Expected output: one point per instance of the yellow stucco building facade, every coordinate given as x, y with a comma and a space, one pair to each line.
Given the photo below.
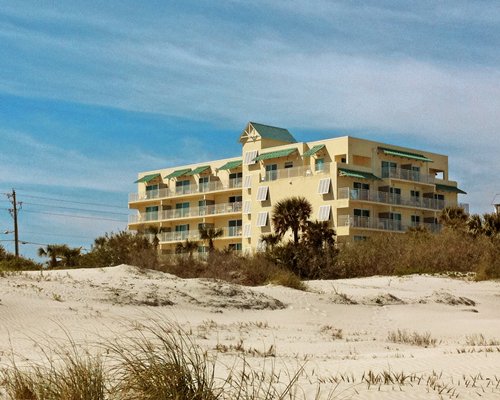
359, 186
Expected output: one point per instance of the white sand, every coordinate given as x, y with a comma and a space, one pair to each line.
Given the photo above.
299, 327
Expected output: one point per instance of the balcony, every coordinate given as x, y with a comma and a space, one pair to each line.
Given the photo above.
382, 224
391, 198
407, 175
185, 190
214, 209
294, 172
194, 235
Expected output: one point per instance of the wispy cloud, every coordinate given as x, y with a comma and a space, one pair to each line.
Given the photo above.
426, 69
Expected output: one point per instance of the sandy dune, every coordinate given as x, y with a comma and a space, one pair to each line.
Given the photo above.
338, 330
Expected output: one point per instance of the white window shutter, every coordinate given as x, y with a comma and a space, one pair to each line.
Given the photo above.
262, 219
324, 213
324, 186
247, 183
262, 193
250, 157
247, 207
247, 230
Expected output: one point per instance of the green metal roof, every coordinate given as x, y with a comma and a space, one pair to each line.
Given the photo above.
178, 173
357, 174
313, 151
147, 178
405, 154
273, 132
198, 170
275, 154
448, 188
231, 165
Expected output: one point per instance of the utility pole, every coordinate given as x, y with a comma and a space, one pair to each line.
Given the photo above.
13, 211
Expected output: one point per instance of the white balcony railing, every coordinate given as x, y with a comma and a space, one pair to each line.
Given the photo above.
407, 174
385, 224
287, 173
184, 190
194, 235
391, 198
214, 209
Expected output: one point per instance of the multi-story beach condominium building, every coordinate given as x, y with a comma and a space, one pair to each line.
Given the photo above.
361, 187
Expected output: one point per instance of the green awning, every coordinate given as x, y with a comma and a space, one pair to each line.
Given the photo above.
357, 174
231, 165
178, 173
448, 188
147, 178
198, 170
313, 151
404, 154
275, 154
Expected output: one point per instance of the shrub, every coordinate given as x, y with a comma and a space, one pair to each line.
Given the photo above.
121, 248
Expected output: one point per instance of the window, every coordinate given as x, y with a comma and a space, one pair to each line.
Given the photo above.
271, 172
181, 232
395, 221
235, 179
235, 199
361, 217
247, 231
182, 187
361, 213
262, 219
324, 213
206, 207
395, 194
247, 207
247, 184
151, 213
319, 164
182, 209
204, 184
235, 227
415, 220
250, 157
388, 169
289, 164
262, 193
234, 247
415, 197
324, 186
360, 191
152, 191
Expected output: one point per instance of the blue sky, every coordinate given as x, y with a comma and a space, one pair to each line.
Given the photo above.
93, 92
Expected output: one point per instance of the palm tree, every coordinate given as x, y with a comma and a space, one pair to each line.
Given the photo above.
454, 217
475, 225
53, 252
291, 213
491, 226
319, 235
209, 233
154, 230
270, 240
187, 247
70, 256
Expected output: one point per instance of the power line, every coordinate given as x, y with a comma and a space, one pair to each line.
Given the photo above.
58, 234
73, 208
75, 202
75, 216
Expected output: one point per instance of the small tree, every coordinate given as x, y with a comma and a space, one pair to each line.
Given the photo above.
209, 234
454, 217
291, 214
188, 247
